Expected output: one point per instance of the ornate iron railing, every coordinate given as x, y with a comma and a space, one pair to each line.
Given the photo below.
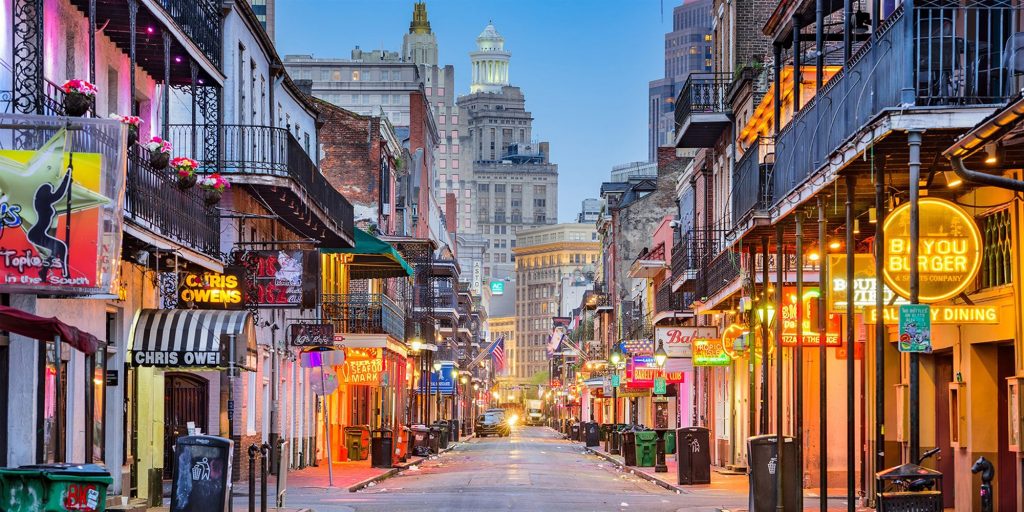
703, 93
752, 189
364, 313
667, 300
200, 21
722, 270
154, 201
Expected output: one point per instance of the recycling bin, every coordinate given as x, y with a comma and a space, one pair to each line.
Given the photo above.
593, 434
628, 447
453, 431
646, 442
435, 439
421, 439
693, 455
669, 436
55, 488
764, 466
357, 441
381, 448
201, 474
443, 434
401, 440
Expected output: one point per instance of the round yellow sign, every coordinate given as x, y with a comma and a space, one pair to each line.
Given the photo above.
949, 250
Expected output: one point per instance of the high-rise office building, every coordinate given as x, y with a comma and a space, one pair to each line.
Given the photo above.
590, 210
264, 10
687, 50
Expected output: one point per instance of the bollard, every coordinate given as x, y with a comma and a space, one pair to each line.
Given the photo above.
988, 473
659, 454
254, 453
264, 455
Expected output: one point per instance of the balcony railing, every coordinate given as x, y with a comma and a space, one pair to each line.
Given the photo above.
695, 249
154, 201
751, 186
200, 21
703, 100
265, 150
722, 270
364, 313
958, 56
665, 300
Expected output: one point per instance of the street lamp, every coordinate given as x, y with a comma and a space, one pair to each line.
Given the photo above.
660, 356
416, 344
616, 358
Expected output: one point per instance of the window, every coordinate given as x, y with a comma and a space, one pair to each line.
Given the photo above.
442, 134
442, 120
396, 75
455, 163
443, 177
455, 149
499, 188
442, 148
465, 208
466, 193
440, 91
540, 203
385, 99
455, 133
483, 187
455, 119
540, 190
517, 189
355, 75
429, 91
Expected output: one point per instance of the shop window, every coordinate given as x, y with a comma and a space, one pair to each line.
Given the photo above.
996, 266
53, 402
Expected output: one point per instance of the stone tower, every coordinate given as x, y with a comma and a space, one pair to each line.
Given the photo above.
420, 44
489, 62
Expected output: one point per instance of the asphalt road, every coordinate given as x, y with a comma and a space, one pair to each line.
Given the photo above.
533, 470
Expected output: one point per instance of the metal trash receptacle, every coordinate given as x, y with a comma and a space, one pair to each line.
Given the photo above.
764, 465
893, 499
669, 435
646, 443
574, 431
381, 448
55, 488
593, 434
434, 439
201, 474
453, 431
628, 447
693, 455
357, 442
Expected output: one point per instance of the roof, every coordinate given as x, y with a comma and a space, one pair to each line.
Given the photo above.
373, 258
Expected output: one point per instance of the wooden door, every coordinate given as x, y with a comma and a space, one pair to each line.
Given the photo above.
185, 399
944, 460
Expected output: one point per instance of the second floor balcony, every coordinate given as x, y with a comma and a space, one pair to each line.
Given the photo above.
703, 110
752, 192
364, 313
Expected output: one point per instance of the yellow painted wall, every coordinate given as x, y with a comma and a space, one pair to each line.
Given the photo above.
150, 403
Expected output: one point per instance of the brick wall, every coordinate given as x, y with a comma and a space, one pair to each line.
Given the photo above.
350, 158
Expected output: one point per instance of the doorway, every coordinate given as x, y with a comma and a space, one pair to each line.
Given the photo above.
185, 400
944, 459
1006, 467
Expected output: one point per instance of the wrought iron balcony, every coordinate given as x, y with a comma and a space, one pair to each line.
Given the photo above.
200, 21
364, 313
719, 273
752, 190
252, 154
666, 300
702, 110
154, 202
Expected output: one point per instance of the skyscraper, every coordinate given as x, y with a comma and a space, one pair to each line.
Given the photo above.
687, 50
264, 10
516, 185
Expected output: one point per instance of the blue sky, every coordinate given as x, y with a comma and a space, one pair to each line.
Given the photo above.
583, 65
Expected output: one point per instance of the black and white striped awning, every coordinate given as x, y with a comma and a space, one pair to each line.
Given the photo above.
191, 338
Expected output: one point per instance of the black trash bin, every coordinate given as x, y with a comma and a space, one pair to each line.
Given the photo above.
605, 429
204, 464
629, 447
443, 434
423, 440
435, 439
693, 454
593, 434
381, 448
764, 465
892, 497
453, 431
574, 431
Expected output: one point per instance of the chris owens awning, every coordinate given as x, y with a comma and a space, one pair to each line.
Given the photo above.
191, 338
373, 258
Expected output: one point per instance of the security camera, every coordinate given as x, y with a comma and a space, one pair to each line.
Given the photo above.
673, 224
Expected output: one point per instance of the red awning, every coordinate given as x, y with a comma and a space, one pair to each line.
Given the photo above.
46, 329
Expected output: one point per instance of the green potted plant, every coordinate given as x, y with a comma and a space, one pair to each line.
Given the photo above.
78, 97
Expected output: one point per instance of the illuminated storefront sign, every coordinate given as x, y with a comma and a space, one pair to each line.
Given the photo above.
949, 250
60, 215
363, 366
278, 278
710, 353
834, 325
863, 284
210, 290
678, 341
642, 370
942, 315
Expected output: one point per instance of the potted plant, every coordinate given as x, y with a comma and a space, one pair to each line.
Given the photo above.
159, 153
133, 123
214, 185
78, 97
186, 168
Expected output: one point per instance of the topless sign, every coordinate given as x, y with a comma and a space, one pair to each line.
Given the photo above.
60, 217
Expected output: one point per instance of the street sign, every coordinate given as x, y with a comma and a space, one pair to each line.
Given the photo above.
615, 381
915, 328
660, 387
311, 335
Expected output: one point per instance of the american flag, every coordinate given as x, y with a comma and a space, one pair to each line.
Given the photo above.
498, 353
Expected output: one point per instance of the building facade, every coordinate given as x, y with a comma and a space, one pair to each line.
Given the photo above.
590, 210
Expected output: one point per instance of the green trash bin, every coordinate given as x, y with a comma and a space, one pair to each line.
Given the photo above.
55, 488
357, 442
645, 447
670, 442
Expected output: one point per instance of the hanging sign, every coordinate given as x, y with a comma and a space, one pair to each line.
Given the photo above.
915, 331
633, 392
616, 381
642, 371
284, 278
949, 250
363, 366
660, 386
474, 285
60, 215
311, 335
212, 290
710, 353
863, 284
497, 287
951, 314
443, 380
810, 321
678, 341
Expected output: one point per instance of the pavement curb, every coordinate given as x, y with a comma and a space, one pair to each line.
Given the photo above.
641, 474
403, 466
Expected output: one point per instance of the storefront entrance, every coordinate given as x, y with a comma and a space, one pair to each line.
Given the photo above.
185, 400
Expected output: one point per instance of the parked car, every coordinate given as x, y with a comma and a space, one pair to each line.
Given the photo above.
492, 423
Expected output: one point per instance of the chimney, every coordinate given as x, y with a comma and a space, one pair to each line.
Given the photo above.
451, 212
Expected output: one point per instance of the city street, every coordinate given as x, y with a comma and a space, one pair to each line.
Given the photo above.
533, 470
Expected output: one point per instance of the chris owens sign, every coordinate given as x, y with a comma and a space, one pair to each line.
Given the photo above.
949, 250
209, 290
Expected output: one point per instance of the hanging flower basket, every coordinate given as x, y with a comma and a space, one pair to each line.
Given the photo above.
186, 168
159, 153
78, 97
133, 123
213, 186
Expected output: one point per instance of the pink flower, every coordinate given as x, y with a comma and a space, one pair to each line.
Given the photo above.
184, 165
214, 182
80, 86
128, 120
158, 144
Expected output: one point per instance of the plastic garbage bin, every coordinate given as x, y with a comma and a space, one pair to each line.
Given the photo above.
628, 447
421, 440
55, 488
434, 439
453, 431
201, 474
693, 455
357, 441
443, 434
646, 442
593, 434
381, 448
574, 431
764, 465
401, 439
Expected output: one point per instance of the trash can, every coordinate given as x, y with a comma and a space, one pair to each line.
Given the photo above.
422, 440
574, 431
646, 447
693, 455
434, 439
401, 440
628, 447
894, 498
669, 436
357, 441
582, 431
593, 437
55, 488
605, 429
453, 431
381, 448
443, 434
201, 474
764, 465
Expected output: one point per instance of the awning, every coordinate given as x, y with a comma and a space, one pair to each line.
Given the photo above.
46, 329
191, 338
373, 258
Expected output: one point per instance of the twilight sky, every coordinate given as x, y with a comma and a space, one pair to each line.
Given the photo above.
583, 65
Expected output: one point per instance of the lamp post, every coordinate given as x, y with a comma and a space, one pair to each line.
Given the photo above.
766, 316
660, 357
615, 358
437, 389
